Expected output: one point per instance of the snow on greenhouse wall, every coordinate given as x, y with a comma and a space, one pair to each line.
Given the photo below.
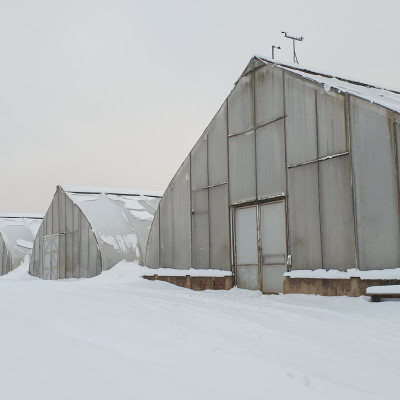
85, 232
17, 233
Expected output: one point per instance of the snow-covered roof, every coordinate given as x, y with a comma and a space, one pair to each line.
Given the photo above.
21, 215
108, 190
385, 97
18, 232
119, 218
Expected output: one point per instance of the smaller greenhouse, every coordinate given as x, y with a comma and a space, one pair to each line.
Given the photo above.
17, 233
88, 230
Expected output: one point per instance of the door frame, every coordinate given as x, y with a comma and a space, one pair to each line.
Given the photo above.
257, 204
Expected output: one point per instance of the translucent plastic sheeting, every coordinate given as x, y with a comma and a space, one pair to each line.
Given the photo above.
200, 217
217, 134
271, 167
269, 95
4, 258
56, 214
242, 168
241, 105
376, 186
301, 123
139, 211
17, 235
273, 245
336, 208
219, 228
182, 255
115, 236
200, 229
333, 137
273, 233
70, 233
95, 231
246, 236
167, 229
304, 223
76, 241
153, 245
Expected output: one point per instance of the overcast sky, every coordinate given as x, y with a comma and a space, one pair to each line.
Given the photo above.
116, 92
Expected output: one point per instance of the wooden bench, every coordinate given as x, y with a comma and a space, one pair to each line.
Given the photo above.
378, 292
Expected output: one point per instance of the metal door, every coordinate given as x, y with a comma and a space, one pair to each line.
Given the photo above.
50, 257
273, 246
260, 246
246, 248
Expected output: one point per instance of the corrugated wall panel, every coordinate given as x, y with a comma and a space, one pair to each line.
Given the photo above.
199, 184
242, 171
241, 105
84, 247
76, 242
167, 230
301, 124
271, 167
93, 255
218, 148
268, 94
182, 218
219, 228
305, 238
332, 137
69, 227
375, 186
337, 221
55, 213
153, 244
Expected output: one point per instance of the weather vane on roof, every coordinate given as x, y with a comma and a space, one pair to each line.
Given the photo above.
299, 39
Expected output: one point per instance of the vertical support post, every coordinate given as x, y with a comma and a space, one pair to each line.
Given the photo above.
352, 175
319, 181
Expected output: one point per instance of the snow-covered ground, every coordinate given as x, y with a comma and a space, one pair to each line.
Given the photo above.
117, 336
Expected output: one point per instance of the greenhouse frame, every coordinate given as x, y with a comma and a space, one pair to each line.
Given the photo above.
88, 230
17, 233
298, 170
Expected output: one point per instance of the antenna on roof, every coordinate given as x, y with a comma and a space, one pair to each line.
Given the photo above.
299, 39
273, 48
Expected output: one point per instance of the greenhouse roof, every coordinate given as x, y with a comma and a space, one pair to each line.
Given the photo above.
385, 97
108, 190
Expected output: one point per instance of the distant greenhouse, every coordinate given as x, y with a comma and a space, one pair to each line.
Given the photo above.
17, 233
298, 170
88, 230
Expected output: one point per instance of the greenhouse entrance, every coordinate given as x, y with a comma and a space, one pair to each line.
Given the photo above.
260, 243
50, 256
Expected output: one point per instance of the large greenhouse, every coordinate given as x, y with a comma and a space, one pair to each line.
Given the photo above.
17, 233
88, 230
298, 170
